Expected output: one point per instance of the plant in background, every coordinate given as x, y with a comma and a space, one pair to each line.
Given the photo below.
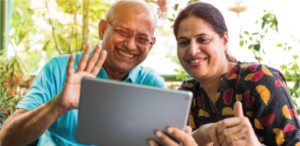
14, 77
255, 39
291, 71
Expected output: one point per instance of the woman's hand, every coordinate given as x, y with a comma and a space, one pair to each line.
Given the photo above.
184, 137
207, 135
237, 131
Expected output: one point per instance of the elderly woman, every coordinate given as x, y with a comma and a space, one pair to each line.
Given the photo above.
234, 103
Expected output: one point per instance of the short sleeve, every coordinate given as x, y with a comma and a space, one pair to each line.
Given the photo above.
275, 118
47, 84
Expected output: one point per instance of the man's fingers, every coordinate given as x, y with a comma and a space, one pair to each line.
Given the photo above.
84, 58
70, 66
238, 109
99, 63
92, 60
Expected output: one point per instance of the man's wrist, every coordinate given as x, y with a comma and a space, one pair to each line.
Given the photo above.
57, 107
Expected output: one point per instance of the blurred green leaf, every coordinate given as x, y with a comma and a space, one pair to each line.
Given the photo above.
257, 47
246, 32
295, 57
171, 19
283, 67
255, 33
296, 87
279, 45
241, 43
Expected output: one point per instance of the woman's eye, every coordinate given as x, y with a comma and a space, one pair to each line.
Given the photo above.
183, 43
203, 40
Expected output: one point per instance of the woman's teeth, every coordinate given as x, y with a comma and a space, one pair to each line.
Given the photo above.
124, 54
197, 61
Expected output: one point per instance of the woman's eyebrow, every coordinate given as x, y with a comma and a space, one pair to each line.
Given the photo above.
201, 34
197, 35
182, 38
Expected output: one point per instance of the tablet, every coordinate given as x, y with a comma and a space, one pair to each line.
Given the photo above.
113, 113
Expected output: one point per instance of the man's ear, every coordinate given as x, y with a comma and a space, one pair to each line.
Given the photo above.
154, 39
101, 28
225, 41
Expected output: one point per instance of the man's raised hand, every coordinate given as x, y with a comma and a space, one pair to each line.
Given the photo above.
69, 96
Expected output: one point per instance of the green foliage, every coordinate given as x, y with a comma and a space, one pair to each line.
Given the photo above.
14, 77
182, 75
67, 37
290, 71
255, 39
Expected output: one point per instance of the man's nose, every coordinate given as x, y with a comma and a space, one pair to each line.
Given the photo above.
130, 43
194, 48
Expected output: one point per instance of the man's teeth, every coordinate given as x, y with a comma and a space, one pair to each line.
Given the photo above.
197, 61
124, 54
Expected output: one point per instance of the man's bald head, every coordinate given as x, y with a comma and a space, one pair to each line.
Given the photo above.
121, 6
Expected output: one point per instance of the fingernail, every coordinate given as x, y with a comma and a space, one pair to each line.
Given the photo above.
151, 143
169, 130
158, 134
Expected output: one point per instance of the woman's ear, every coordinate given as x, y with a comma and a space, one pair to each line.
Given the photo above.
101, 28
225, 41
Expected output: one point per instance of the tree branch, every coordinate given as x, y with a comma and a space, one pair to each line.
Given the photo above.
53, 29
85, 28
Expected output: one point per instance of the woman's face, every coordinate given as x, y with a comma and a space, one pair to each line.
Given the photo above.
200, 50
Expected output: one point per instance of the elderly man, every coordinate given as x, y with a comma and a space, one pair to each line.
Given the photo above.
49, 110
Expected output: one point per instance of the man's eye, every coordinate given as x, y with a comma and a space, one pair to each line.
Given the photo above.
142, 39
123, 33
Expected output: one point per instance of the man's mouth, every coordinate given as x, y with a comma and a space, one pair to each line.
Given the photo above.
126, 55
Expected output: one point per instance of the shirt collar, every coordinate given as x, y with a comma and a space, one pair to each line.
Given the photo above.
131, 78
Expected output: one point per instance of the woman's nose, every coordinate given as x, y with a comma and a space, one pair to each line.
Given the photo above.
193, 48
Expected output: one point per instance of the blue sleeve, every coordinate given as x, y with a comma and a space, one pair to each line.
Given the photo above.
47, 84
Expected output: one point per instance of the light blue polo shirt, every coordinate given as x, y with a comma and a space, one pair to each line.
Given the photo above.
49, 82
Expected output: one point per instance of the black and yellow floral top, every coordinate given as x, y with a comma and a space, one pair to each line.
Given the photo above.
265, 99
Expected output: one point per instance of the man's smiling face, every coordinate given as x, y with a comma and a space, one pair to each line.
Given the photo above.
125, 53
